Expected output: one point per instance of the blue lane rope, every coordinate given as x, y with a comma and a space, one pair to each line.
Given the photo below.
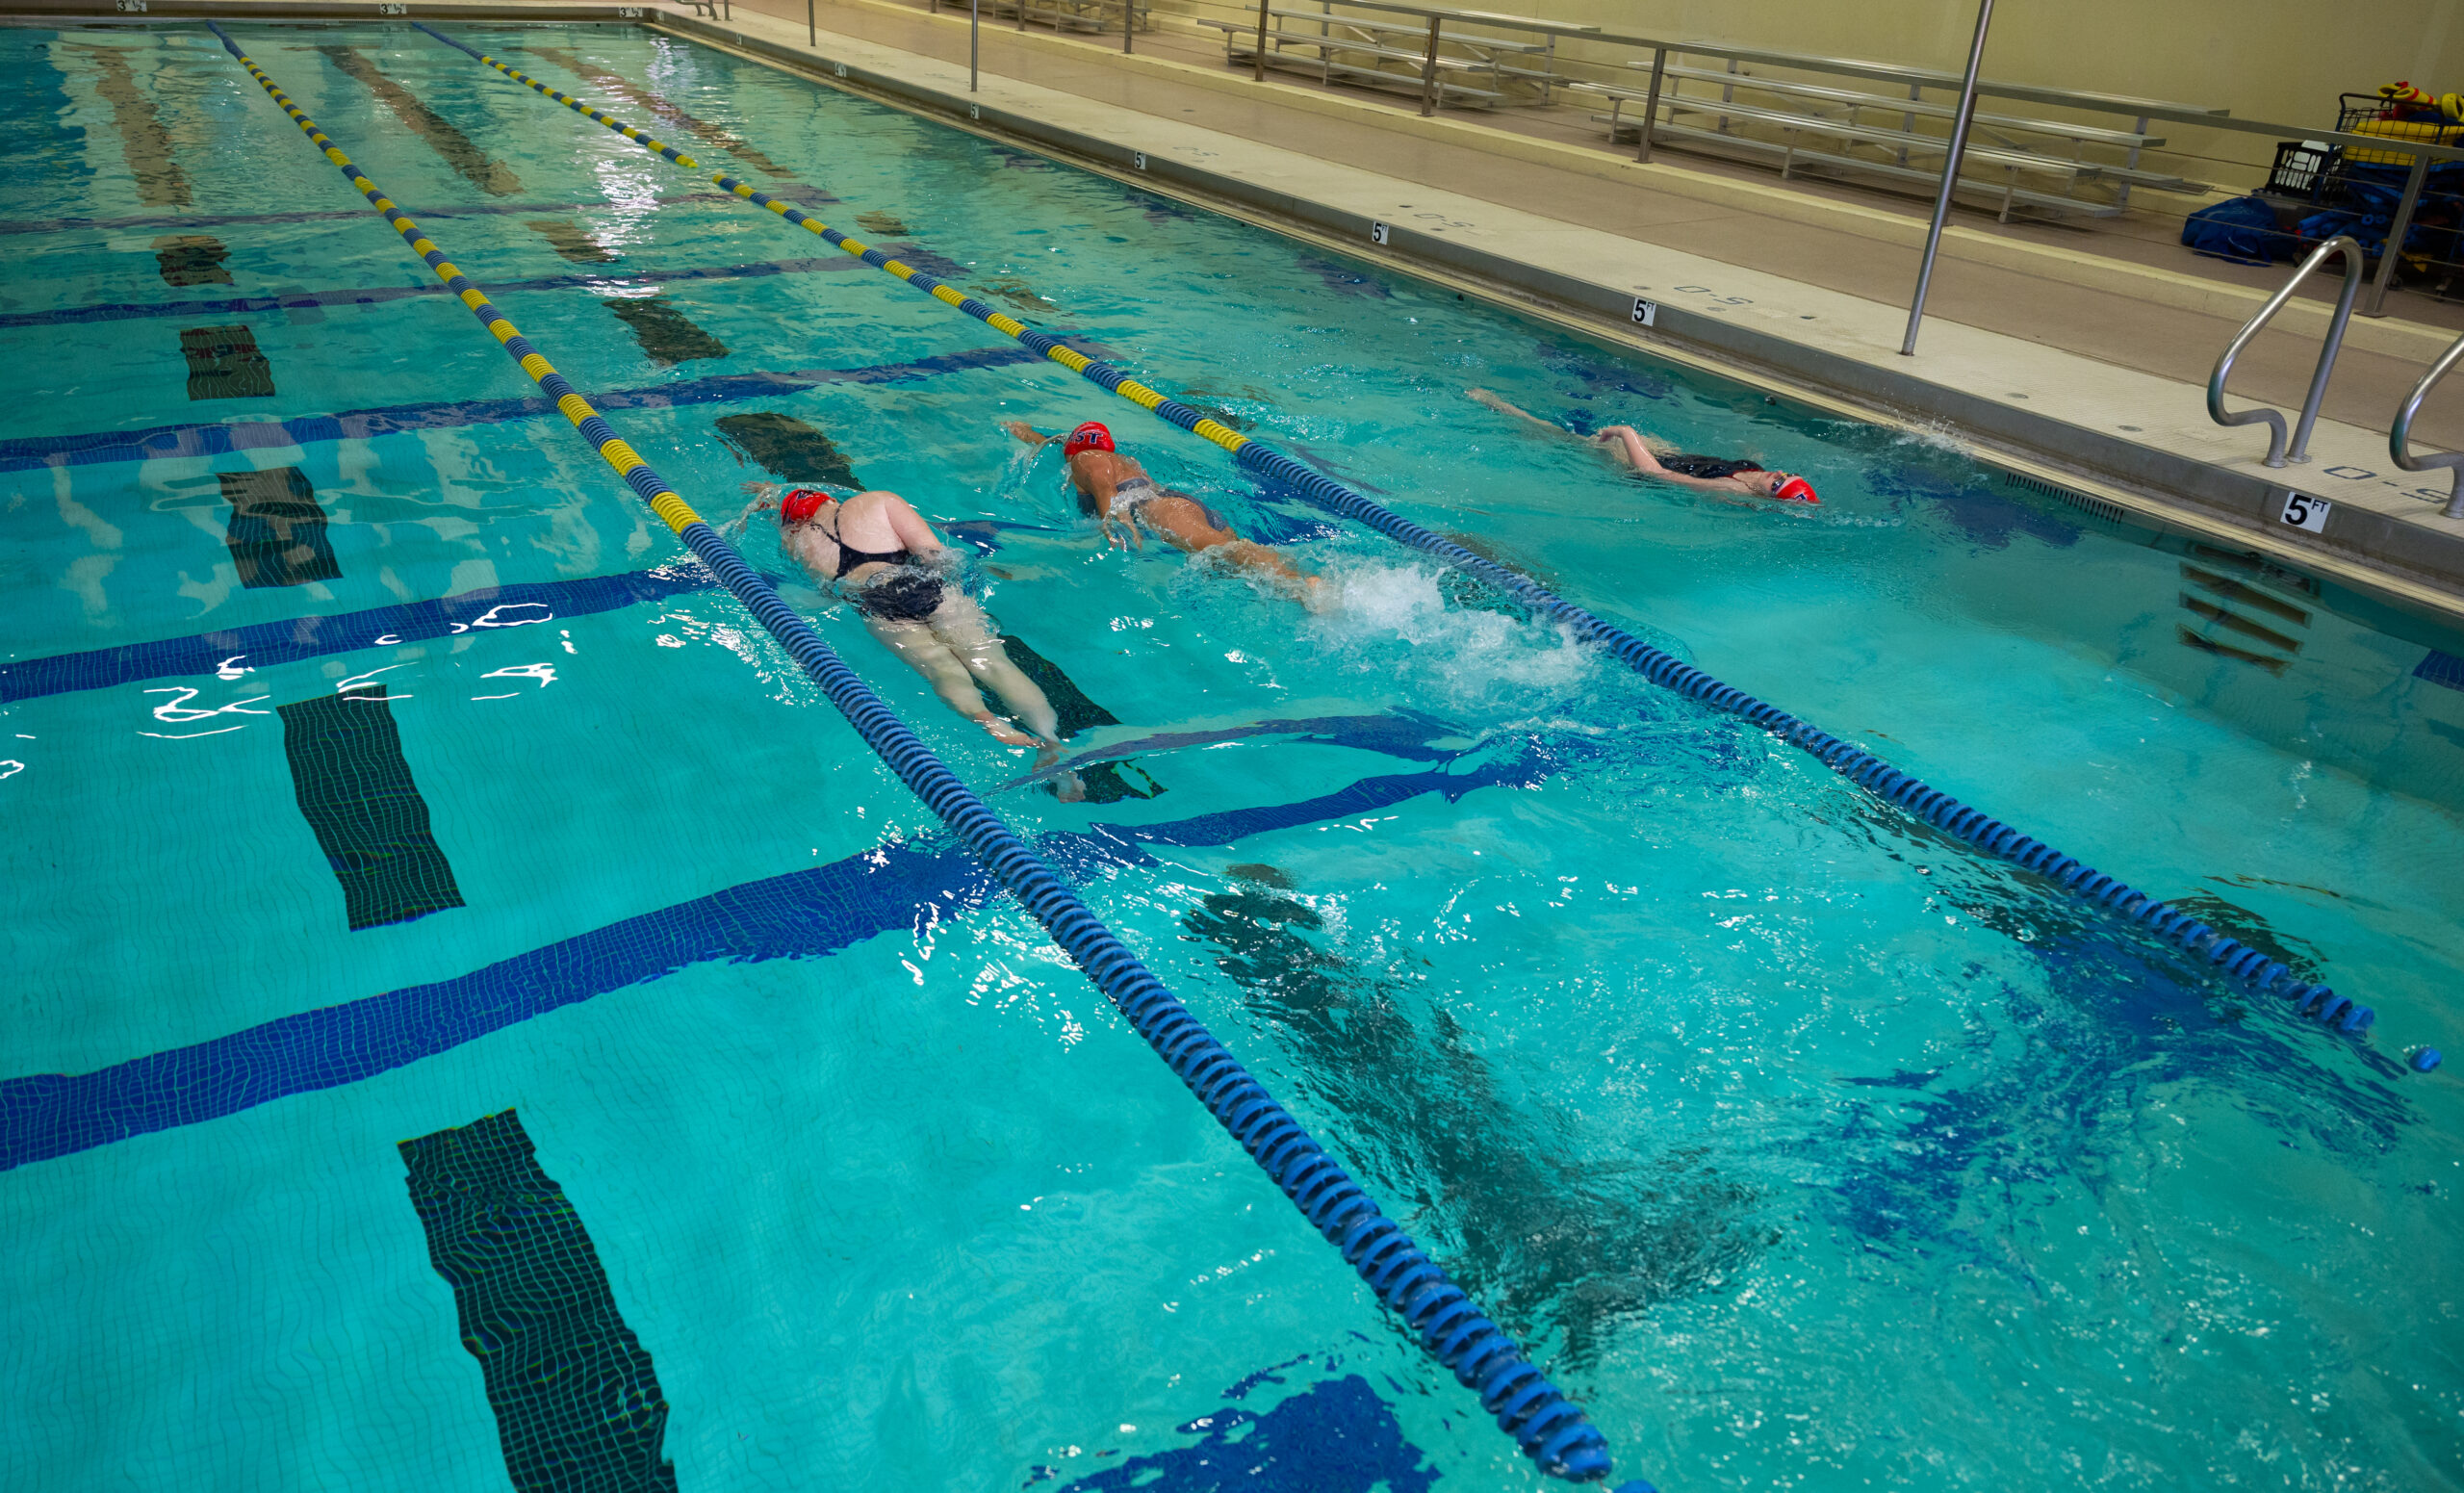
1860, 766
1552, 1430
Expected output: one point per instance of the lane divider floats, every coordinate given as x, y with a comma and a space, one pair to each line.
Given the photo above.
1552, 1430
1860, 766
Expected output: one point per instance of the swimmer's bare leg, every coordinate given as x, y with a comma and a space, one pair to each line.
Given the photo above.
919, 649
1183, 520
967, 633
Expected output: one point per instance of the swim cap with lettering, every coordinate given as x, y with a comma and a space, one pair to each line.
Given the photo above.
800, 506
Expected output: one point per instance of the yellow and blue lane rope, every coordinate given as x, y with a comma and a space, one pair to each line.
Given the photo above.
2228, 955
1552, 1429
1101, 373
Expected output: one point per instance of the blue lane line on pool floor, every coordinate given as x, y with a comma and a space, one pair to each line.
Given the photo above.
29, 453
292, 639
612, 278
331, 215
803, 914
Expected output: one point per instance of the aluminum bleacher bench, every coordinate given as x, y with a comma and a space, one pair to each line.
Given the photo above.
1793, 153
1991, 126
1239, 44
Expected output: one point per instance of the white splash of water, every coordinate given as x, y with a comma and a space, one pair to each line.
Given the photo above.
1396, 622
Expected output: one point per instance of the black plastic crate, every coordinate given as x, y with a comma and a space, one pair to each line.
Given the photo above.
2303, 169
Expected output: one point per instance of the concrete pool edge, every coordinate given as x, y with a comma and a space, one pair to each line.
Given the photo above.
2368, 551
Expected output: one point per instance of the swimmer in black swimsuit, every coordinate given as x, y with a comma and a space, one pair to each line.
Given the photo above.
1113, 489
882, 555
1631, 447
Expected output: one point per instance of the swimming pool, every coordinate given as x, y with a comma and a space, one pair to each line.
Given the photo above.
1801, 1143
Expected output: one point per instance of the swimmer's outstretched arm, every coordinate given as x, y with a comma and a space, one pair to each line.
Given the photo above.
1027, 432
1484, 397
1626, 445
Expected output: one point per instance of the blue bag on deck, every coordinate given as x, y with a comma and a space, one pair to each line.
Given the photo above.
2241, 230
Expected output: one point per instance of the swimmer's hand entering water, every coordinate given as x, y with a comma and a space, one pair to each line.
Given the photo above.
766, 497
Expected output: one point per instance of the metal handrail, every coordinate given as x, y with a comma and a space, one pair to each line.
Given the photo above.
2399, 435
2278, 454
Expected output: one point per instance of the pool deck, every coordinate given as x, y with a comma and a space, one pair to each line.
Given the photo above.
2076, 368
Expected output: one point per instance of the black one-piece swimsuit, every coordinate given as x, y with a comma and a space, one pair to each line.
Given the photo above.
911, 593
1708, 468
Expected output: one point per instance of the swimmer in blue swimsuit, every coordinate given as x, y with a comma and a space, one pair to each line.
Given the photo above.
880, 553
1631, 448
1113, 489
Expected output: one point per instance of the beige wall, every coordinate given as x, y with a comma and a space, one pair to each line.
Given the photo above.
2281, 60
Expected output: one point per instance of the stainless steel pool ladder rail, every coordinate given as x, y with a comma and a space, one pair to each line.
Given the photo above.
2399, 435
2278, 454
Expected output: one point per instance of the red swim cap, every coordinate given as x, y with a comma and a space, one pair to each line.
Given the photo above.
800, 506
1796, 489
1088, 437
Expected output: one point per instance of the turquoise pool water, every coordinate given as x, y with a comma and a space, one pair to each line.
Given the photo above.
1806, 1148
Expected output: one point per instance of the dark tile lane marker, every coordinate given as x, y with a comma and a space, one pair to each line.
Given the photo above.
224, 364
239, 305
27, 453
803, 914
703, 130
143, 140
264, 645
356, 793
577, 1402
789, 449
807, 195
572, 241
187, 259
276, 534
469, 162
667, 335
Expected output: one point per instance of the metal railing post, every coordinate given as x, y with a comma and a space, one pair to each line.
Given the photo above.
2278, 454
1950, 178
1428, 73
974, 28
1128, 23
2121, 195
2395, 230
812, 32
2399, 435
1262, 39
1651, 103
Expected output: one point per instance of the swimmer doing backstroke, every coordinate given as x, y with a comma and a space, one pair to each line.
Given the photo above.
1631, 447
880, 553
